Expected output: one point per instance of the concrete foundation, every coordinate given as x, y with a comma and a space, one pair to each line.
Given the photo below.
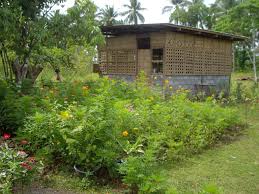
196, 83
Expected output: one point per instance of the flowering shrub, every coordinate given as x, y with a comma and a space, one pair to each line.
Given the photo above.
111, 128
15, 165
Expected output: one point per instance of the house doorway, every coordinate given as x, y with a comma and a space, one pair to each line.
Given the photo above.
144, 55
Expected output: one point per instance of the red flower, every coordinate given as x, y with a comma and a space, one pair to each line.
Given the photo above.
26, 166
6, 136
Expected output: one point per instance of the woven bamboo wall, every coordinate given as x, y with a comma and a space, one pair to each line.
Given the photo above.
193, 55
184, 54
144, 61
157, 40
119, 55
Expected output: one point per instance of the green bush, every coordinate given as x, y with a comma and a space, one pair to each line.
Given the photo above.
113, 129
15, 166
14, 107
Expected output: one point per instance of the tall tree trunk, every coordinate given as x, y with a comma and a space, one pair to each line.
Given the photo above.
6, 63
24, 71
57, 71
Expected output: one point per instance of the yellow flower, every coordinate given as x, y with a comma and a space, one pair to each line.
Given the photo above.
65, 115
171, 87
155, 78
125, 133
85, 88
166, 81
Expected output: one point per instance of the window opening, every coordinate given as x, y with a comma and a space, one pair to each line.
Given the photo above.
157, 60
143, 43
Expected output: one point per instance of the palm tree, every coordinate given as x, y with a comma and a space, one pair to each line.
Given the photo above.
176, 8
226, 5
108, 16
174, 3
133, 14
197, 14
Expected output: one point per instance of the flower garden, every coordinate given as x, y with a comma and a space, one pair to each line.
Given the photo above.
104, 130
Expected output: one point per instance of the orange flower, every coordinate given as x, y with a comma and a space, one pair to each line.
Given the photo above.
125, 133
31, 160
24, 142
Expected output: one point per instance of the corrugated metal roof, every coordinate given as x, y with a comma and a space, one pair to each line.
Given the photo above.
160, 27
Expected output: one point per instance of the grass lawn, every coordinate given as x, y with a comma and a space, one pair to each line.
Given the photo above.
233, 168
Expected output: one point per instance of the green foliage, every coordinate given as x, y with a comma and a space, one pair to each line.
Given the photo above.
210, 189
111, 129
33, 34
14, 166
244, 92
241, 19
133, 15
14, 107
108, 15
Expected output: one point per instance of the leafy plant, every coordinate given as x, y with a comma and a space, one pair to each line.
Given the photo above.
111, 129
15, 166
14, 107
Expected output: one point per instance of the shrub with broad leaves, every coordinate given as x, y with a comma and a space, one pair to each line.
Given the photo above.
113, 129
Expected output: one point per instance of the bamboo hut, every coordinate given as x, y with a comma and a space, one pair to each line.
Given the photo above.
187, 57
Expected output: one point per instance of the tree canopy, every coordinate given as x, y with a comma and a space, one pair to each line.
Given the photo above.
108, 15
33, 35
133, 15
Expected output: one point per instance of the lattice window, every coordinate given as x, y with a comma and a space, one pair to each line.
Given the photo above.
120, 62
197, 56
198, 59
102, 56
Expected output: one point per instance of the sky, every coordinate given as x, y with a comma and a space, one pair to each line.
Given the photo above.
152, 14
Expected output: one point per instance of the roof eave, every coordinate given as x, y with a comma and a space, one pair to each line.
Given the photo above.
134, 29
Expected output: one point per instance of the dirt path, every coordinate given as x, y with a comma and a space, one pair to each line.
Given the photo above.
39, 189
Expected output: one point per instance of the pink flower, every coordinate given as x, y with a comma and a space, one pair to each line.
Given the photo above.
22, 154
6, 136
